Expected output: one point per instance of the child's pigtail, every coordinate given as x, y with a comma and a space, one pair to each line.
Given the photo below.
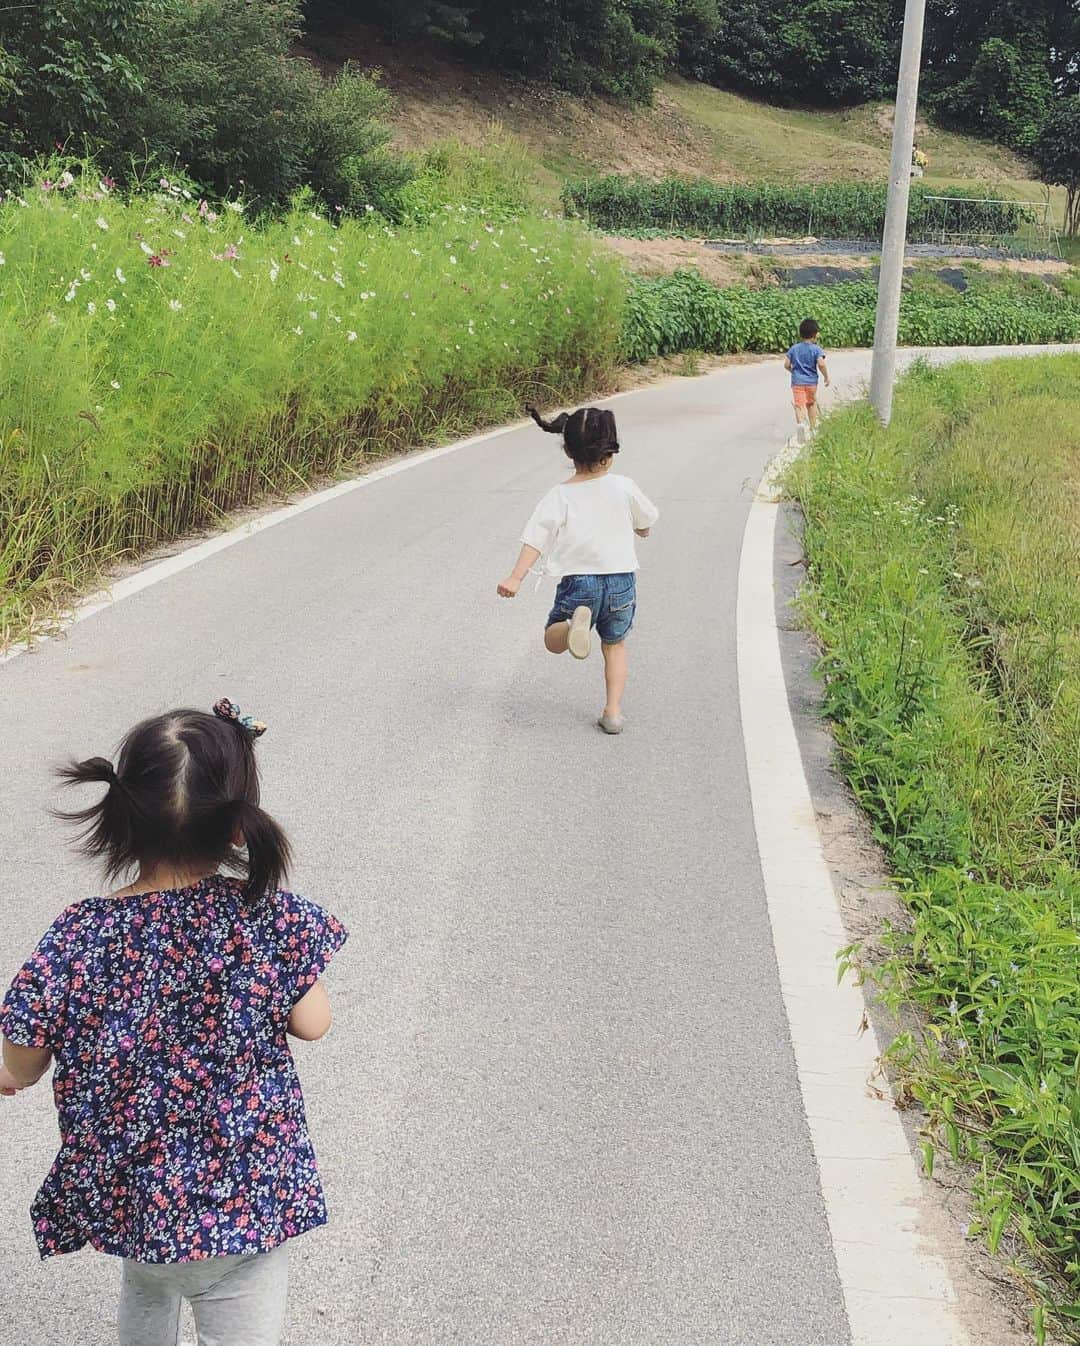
108, 827
268, 851
555, 427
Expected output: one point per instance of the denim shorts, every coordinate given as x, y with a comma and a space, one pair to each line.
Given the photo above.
611, 598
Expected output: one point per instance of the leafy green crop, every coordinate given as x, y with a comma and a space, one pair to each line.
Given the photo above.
835, 210
668, 314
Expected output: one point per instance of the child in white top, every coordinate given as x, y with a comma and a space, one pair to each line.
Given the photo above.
585, 529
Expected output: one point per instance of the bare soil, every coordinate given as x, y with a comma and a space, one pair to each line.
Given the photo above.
663, 256
567, 135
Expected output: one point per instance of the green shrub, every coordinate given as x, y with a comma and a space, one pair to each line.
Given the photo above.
158, 366
668, 314
945, 588
836, 210
495, 179
206, 88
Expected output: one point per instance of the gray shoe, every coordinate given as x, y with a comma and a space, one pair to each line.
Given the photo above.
612, 724
578, 640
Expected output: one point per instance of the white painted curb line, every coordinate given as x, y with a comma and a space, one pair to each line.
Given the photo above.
897, 1292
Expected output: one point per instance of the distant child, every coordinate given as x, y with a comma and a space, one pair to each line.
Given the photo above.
585, 527
806, 362
164, 1007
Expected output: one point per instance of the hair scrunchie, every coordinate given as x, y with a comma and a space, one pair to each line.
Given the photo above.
229, 710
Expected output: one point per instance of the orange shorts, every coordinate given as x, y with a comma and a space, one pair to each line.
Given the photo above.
804, 394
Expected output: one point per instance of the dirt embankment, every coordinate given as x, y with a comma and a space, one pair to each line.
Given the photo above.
663, 256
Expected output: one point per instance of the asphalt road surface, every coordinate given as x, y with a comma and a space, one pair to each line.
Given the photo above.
559, 1103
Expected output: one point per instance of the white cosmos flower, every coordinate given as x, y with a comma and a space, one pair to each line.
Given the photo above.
175, 305
70, 295
65, 180
146, 248
115, 384
313, 315
299, 331
85, 274
179, 233
91, 308
121, 277
110, 304
102, 222
236, 206
352, 336
3, 260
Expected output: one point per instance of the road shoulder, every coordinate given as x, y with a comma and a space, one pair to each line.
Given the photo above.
990, 1303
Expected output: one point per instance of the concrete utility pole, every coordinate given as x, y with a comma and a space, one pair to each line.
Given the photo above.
894, 244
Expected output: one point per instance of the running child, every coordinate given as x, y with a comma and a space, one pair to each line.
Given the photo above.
164, 1010
806, 363
585, 527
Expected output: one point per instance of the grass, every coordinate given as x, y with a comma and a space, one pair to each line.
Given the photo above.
159, 366
945, 589
791, 144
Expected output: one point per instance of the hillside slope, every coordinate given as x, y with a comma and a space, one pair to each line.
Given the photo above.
691, 129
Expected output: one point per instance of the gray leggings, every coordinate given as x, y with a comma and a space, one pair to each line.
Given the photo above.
237, 1301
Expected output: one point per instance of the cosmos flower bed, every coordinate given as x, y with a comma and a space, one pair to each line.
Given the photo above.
161, 362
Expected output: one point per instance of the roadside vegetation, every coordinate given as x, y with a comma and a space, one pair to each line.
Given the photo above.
161, 362
944, 559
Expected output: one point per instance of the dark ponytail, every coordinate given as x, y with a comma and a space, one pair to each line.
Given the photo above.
185, 789
589, 435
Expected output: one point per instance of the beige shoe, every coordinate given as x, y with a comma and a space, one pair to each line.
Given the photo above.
578, 642
612, 724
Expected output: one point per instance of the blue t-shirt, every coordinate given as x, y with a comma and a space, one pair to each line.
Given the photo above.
804, 357
182, 1127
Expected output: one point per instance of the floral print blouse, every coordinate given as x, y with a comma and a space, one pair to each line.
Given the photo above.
182, 1126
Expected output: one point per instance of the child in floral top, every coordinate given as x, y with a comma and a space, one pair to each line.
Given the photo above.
165, 1008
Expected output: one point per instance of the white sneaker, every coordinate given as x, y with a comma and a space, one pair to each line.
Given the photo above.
578, 642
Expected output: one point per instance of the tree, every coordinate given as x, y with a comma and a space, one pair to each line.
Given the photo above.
228, 100
993, 66
1056, 151
823, 53
68, 68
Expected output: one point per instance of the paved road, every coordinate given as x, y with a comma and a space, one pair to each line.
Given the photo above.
559, 1104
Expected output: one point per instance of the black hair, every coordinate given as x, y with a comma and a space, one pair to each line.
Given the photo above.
589, 434
185, 785
808, 329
